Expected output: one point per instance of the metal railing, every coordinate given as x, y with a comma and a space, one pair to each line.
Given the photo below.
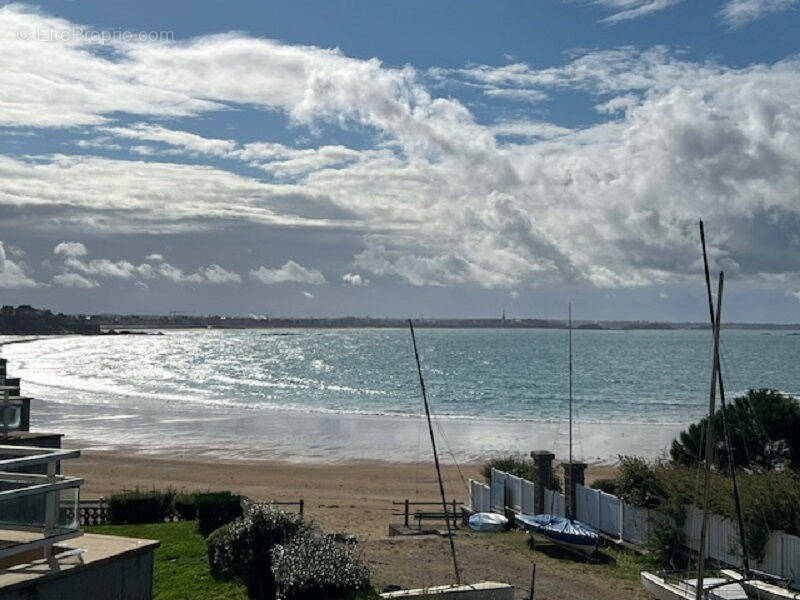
36, 510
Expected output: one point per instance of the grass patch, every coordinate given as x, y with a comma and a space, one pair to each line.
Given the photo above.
621, 564
181, 562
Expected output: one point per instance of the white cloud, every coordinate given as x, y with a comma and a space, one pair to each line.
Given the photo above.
524, 95
290, 272
633, 9
212, 274
189, 141
218, 275
74, 280
12, 275
793, 294
308, 295
155, 257
513, 294
737, 13
439, 199
355, 279
535, 129
103, 267
70, 249
177, 275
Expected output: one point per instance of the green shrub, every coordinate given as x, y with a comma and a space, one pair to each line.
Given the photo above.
517, 465
185, 506
666, 539
310, 567
636, 482
606, 485
242, 549
214, 509
764, 430
770, 499
135, 506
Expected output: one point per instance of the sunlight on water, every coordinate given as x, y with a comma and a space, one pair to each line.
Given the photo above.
195, 380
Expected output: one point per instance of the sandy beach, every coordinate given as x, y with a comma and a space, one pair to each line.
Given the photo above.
356, 498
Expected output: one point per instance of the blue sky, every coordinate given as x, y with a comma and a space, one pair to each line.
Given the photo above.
448, 158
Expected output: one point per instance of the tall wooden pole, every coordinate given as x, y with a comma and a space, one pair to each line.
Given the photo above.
709, 450
731, 463
435, 455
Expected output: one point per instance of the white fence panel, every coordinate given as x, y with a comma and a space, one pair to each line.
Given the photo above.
610, 514
554, 503
498, 490
528, 495
790, 558
723, 540
475, 497
694, 519
514, 493
587, 507
635, 524
773, 559
479, 496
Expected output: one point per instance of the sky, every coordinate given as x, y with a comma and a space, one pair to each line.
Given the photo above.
454, 158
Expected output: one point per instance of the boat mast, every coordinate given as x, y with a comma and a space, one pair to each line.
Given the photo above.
570, 385
435, 455
709, 444
731, 462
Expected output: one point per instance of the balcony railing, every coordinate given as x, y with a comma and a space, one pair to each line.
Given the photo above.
14, 410
37, 510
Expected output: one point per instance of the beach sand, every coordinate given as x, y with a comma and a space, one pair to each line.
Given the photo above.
356, 498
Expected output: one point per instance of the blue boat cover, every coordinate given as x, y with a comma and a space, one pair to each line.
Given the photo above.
560, 529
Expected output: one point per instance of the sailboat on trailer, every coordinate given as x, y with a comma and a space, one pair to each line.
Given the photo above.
564, 531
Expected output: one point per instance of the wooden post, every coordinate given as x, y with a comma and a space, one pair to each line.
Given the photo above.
302, 506
405, 519
455, 515
533, 579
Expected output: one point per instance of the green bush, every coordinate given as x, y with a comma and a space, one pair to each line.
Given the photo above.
185, 506
214, 509
636, 482
517, 465
764, 430
130, 507
606, 485
310, 567
242, 549
666, 540
770, 499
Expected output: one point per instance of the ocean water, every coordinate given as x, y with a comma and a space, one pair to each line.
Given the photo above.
342, 394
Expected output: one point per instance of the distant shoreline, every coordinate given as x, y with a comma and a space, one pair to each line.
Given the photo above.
27, 320
126, 328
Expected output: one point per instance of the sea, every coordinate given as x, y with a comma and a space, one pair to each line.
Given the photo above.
354, 394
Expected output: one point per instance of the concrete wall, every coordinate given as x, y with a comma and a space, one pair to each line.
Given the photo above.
124, 576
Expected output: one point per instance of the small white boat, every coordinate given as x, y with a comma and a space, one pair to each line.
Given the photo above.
685, 589
761, 590
487, 522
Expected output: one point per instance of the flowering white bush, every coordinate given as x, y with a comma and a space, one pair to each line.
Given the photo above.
309, 567
241, 550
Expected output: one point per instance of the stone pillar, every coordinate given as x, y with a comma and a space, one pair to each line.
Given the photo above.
543, 461
573, 475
